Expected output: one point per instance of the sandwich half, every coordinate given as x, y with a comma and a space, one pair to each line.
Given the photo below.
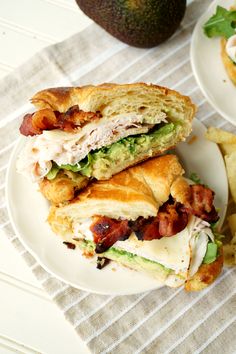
83, 133
147, 218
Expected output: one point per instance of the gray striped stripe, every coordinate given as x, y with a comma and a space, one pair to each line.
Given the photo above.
199, 323
216, 334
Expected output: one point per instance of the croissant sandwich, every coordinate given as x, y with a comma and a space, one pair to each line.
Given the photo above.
148, 218
83, 133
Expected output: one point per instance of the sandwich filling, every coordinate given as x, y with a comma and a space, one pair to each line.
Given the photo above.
177, 241
180, 255
172, 218
94, 147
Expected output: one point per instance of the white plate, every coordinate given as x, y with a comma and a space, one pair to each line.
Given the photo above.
208, 67
28, 213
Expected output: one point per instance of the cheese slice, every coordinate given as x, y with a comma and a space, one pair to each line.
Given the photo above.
172, 252
183, 252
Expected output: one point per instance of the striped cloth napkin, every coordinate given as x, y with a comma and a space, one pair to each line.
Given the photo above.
160, 321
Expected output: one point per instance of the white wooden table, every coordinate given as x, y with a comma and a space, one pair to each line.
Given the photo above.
29, 321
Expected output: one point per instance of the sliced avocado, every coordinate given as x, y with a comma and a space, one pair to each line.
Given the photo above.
129, 260
211, 253
140, 23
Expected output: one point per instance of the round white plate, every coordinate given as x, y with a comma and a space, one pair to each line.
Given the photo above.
28, 213
208, 67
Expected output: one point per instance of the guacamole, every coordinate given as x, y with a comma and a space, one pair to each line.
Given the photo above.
112, 157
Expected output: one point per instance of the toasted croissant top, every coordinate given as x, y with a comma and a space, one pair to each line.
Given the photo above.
113, 99
137, 191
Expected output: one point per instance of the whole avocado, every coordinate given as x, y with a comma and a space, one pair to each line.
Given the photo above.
140, 23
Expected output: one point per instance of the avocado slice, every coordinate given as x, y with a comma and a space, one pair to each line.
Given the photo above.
129, 260
140, 23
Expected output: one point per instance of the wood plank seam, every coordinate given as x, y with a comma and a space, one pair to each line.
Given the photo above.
18, 347
26, 31
23, 285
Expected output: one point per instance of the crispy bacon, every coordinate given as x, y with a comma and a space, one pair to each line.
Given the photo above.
169, 221
147, 229
27, 128
47, 119
107, 231
201, 204
172, 218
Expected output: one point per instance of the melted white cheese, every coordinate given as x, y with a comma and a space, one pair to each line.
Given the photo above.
82, 228
183, 252
231, 48
172, 252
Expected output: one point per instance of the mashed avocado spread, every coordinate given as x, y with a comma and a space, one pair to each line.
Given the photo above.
127, 149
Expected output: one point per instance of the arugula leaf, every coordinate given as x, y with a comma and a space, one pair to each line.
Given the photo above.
211, 253
222, 23
195, 178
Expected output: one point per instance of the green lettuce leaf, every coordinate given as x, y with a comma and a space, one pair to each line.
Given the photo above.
53, 172
221, 24
73, 168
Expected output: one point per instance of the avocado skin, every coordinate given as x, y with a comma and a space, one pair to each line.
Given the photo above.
139, 23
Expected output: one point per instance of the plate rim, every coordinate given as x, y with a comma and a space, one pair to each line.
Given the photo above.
37, 257
194, 65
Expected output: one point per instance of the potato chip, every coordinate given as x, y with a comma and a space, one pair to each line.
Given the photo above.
229, 255
230, 162
227, 149
232, 224
220, 136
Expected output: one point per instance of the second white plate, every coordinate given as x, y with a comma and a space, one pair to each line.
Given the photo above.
28, 212
208, 67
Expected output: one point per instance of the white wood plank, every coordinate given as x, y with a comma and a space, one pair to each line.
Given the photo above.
8, 345
43, 18
68, 4
7, 350
36, 323
6, 67
13, 264
25, 286
3, 73
18, 47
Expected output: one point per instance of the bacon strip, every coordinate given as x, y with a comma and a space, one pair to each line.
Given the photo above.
202, 203
170, 220
27, 128
47, 119
107, 231
147, 229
